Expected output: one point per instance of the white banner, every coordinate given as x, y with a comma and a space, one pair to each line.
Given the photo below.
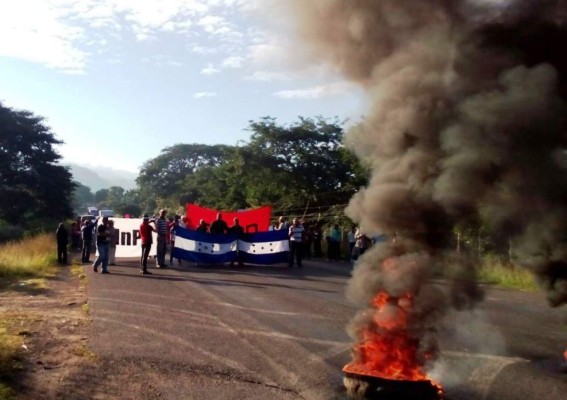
129, 243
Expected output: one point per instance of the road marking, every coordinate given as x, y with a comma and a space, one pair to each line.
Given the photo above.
480, 355
177, 340
214, 303
482, 377
223, 327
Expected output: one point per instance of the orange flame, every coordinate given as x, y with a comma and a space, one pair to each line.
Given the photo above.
385, 348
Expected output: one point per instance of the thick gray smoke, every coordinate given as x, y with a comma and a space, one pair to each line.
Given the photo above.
468, 122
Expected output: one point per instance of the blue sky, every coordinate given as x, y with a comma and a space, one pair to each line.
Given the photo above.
119, 80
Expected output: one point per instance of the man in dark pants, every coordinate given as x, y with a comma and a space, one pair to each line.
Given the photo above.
317, 238
162, 230
296, 239
146, 238
238, 231
62, 241
87, 236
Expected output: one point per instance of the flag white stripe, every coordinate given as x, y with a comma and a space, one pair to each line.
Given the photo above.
263, 247
204, 247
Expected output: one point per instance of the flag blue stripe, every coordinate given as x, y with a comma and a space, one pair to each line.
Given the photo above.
271, 236
203, 258
250, 258
265, 259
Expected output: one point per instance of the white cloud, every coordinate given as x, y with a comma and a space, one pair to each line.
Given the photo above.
210, 69
69, 34
316, 92
163, 60
233, 62
269, 52
200, 95
203, 50
212, 23
40, 36
54, 32
269, 76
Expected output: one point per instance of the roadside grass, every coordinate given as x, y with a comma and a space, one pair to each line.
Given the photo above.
28, 258
28, 262
507, 275
492, 271
12, 331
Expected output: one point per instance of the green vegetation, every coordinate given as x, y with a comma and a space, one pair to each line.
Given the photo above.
28, 258
300, 169
26, 261
506, 275
9, 347
33, 184
11, 330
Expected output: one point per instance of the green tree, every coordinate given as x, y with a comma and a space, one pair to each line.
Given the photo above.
133, 210
307, 161
101, 197
82, 198
163, 178
115, 196
32, 184
288, 166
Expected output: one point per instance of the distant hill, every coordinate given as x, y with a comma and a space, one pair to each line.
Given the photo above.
97, 178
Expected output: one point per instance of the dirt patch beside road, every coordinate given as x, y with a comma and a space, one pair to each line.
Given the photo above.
51, 319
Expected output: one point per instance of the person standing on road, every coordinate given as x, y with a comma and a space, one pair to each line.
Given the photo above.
335, 236
113, 233
62, 236
203, 226
351, 237
75, 236
146, 238
102, 246
307, 254
317, 238
87, 237
172, 228
238, 231
362, 243
219, 226
296, 239
281, 224
161, 229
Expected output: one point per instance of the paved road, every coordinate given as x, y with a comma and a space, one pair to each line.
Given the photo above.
274, 333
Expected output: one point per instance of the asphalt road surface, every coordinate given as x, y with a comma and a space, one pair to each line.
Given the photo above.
274, 333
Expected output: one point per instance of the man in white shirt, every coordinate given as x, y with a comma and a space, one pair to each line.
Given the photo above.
296, 239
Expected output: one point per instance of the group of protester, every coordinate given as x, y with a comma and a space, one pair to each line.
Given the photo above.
312, 237
305, 240
105, 236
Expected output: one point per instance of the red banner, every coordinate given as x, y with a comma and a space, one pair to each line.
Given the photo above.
256, 220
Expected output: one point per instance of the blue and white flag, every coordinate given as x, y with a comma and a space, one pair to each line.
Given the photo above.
264, 247
256, 248
204, 248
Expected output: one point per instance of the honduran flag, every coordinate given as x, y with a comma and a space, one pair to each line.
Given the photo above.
264, 247
204, 248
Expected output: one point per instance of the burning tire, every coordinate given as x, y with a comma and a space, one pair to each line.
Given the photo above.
362, 387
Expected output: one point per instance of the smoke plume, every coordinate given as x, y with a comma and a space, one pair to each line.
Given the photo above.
467, 123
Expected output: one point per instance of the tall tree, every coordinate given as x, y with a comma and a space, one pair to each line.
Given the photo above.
288, 166
310, 157
32, 184
82, 198
163, 178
